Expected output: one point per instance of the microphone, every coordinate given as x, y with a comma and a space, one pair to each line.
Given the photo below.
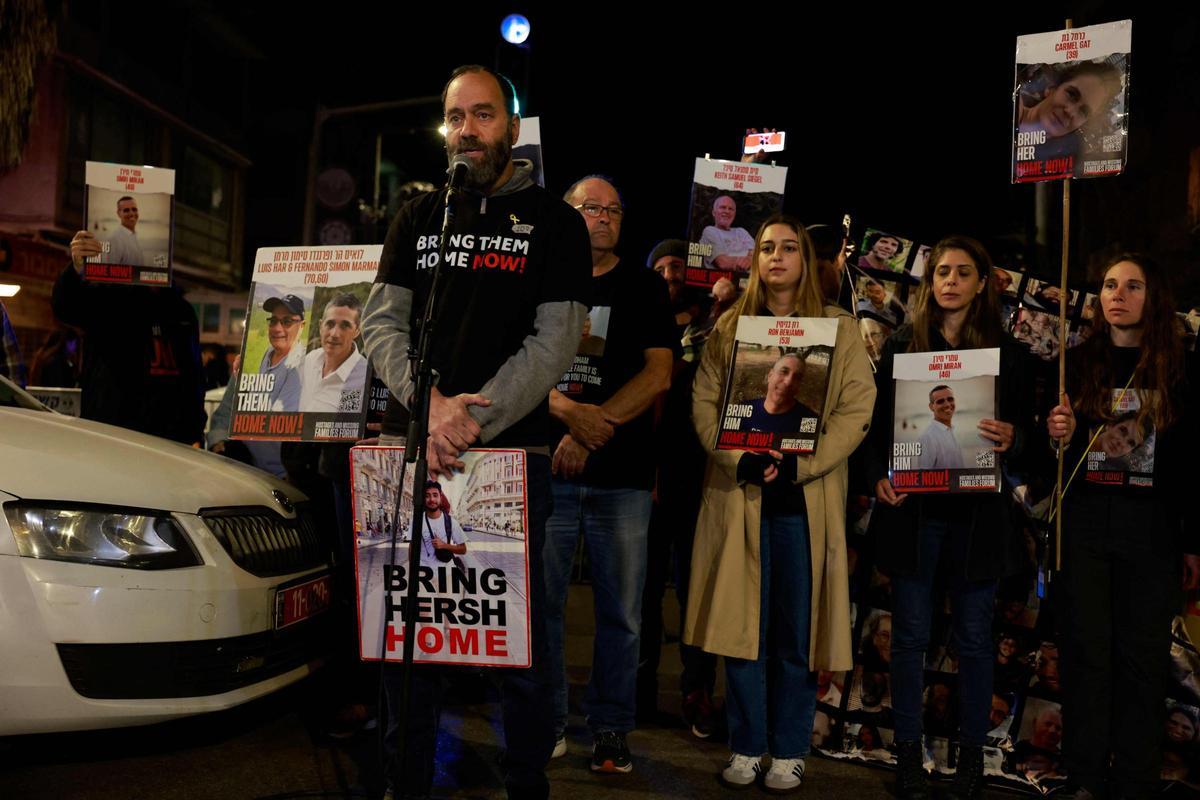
460, 165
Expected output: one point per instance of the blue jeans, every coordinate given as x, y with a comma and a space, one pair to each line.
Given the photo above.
524, 693
971, 606
771, 700
613, 523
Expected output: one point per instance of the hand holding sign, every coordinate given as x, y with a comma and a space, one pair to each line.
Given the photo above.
83, 246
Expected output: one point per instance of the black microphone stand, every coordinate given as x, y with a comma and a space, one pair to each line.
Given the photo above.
415, 453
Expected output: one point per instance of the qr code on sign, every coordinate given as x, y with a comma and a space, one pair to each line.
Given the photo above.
808, 425
986, 459
1110, 143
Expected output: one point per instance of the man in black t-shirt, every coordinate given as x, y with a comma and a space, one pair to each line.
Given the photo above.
512, 308
604, 472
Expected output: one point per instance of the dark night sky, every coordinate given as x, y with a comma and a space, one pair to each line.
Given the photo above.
903, 122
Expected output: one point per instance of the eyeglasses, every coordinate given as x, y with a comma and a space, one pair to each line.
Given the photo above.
593, 210
290, 322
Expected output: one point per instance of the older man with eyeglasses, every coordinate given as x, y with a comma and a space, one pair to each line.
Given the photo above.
283, 359
603, 469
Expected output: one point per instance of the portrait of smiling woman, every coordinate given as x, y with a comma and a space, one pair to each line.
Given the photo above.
1068, 99
1071, 111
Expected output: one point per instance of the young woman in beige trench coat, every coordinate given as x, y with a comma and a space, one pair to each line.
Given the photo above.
771, 684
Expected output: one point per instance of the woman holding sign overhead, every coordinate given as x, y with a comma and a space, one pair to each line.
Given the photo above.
1130, 430
768, 586
956, 309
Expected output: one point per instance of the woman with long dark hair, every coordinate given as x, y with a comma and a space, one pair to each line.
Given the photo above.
956, 308
1124, 519
769, 589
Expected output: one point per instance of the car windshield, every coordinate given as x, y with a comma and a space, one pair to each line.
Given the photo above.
12, 397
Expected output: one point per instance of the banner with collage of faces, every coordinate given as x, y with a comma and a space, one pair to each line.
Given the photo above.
883, 274
1029, 311
854, 718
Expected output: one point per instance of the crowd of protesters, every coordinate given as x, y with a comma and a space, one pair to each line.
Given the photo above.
755, 542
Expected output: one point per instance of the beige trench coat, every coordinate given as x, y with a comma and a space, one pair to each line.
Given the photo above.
724, 591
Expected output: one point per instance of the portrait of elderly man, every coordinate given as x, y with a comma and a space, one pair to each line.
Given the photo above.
1040, 753
779, 410
730, 246
283, 358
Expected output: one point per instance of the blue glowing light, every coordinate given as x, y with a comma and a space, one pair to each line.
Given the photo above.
515, 29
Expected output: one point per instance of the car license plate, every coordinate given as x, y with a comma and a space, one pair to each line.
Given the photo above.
298, 603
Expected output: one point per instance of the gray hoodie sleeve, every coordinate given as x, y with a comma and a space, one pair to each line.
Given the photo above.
386, 334
527, 377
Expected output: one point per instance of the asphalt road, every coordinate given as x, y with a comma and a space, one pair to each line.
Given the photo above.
277, 748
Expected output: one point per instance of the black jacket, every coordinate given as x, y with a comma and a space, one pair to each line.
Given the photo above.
995, 547
1174, 448
141, 359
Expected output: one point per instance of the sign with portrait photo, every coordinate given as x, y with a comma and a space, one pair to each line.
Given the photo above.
1037, 330
473, 584
882, 299
1037, 754
1122, 451
304, 375
131, 211
882, 251
778, 379
730, 200
940, 400
875, 332
529, 147
1071, 103
1045, 296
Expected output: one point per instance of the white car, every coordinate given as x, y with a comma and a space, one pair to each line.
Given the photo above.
143, 580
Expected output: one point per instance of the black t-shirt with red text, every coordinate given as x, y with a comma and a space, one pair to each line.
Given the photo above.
509, 254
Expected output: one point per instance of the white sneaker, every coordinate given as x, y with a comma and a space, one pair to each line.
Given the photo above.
742, 771
784, 775
560, 747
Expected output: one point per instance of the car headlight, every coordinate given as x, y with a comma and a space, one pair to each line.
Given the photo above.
95, 536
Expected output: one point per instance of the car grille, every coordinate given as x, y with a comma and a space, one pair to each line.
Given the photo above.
266, 544
193, 669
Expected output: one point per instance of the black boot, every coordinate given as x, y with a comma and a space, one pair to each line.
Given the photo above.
968, 777
911, 781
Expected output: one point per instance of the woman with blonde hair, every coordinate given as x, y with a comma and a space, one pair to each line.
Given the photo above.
768, 586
